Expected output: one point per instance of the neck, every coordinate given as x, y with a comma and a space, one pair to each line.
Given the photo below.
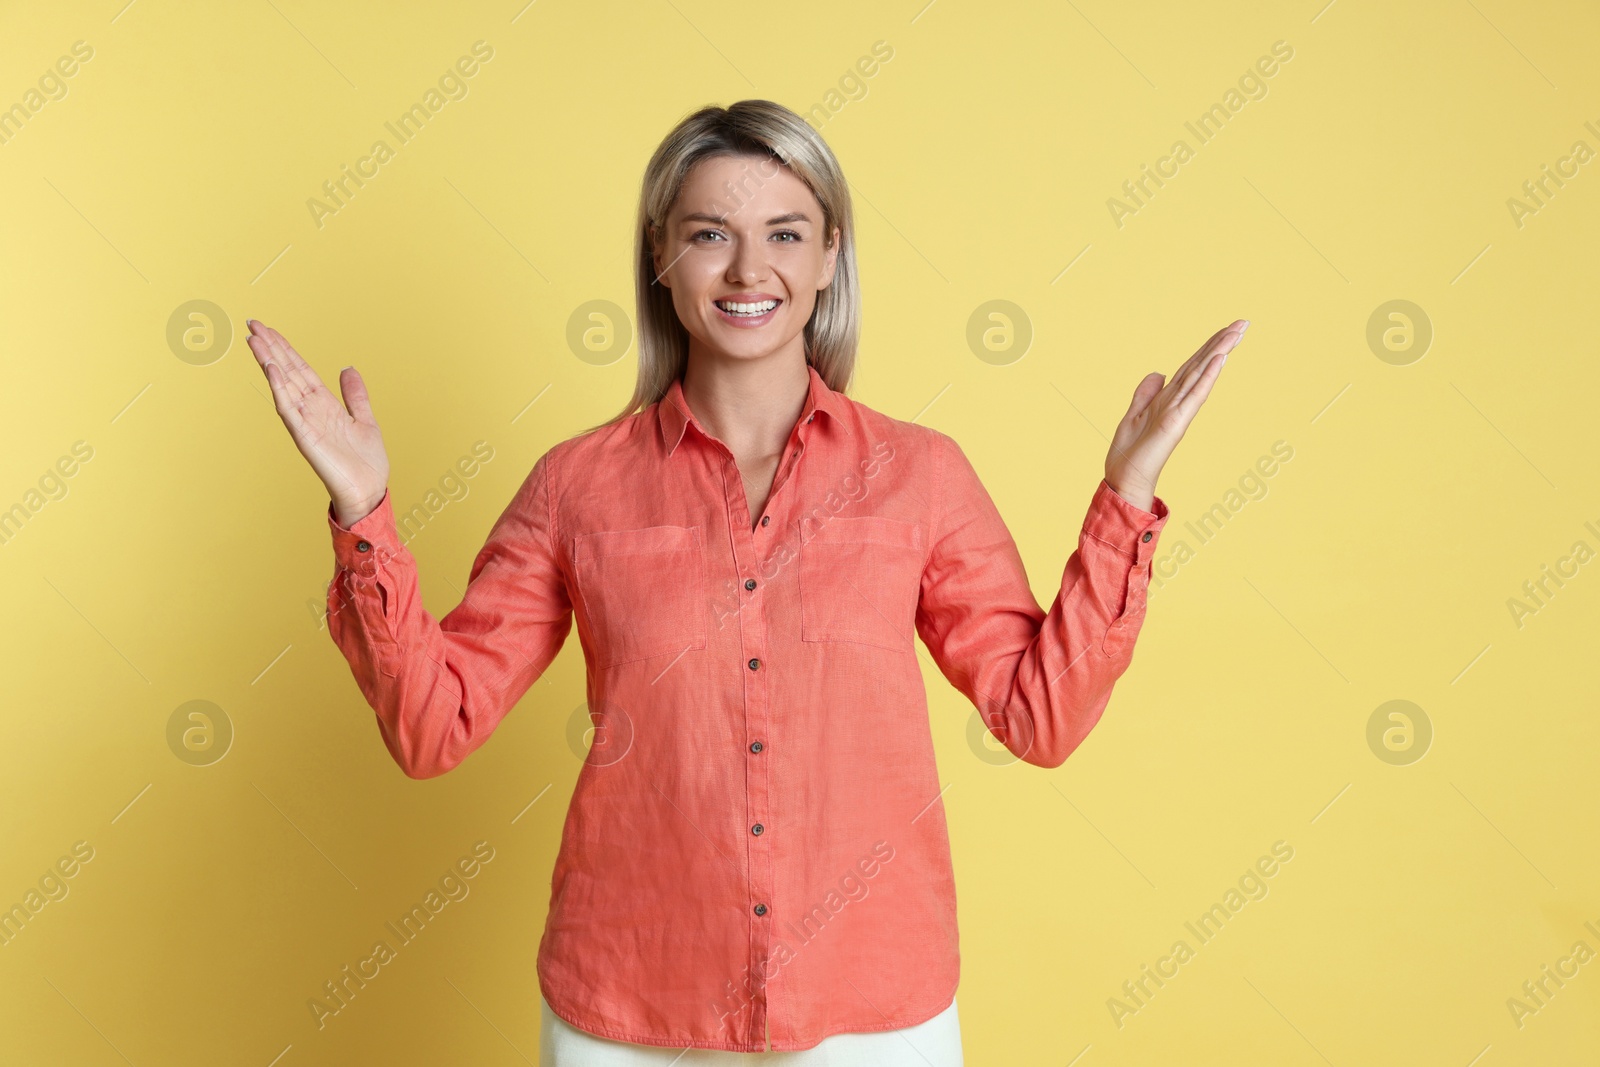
750, 405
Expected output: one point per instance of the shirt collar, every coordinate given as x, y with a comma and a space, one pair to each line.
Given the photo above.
675, 416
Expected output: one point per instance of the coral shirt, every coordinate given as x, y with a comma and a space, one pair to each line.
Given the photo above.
756, 845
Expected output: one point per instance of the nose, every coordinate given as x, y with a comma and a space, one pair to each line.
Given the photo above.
749, 263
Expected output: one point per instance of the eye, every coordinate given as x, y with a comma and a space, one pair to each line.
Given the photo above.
704, 233
789, 233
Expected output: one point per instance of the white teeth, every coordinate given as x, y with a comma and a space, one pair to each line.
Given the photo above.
735, 308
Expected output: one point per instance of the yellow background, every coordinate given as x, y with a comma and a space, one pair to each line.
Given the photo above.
1377, 567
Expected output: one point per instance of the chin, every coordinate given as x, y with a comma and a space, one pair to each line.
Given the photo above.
744, 346
747, 351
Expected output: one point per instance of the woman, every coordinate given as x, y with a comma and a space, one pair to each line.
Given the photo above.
755, 857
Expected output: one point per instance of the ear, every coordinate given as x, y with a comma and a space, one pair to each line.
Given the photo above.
656, 254
830, 262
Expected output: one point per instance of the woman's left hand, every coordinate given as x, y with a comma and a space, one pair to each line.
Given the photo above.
1159, 416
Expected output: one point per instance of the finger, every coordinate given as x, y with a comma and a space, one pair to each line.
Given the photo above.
1199, 353
1148, 389
265, 343
287, 387
288, 410
356, 399
1197, 362
298, 368
278, 341
1212, 367
295, 368
1213, 363
1223, 340
283, 390
1199, 357
257, 340
1189, 406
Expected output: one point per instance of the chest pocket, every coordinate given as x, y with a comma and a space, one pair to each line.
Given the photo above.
643, 590
859, 581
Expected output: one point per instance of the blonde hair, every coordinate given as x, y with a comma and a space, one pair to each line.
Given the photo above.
774, 133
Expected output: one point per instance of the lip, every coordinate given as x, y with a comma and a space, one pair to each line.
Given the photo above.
746, 321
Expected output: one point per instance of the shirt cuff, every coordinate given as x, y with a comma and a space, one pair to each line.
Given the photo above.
1129, 531
368, 544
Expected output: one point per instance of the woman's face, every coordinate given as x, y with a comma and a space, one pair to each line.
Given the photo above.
744, 254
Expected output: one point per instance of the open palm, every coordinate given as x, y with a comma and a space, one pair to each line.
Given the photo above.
1160, 414
344, 447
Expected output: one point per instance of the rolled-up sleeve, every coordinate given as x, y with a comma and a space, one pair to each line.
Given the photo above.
439, 688
1040, 680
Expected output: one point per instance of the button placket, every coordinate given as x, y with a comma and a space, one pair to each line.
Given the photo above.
752, 634
757, 703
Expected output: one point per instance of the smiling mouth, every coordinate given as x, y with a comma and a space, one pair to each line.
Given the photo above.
737, 310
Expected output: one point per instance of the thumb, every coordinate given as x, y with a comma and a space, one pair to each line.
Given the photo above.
1147, 390
356, 400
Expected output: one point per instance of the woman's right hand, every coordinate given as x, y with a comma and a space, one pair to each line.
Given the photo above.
345, 448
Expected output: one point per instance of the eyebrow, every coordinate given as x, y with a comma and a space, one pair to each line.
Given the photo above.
721, 220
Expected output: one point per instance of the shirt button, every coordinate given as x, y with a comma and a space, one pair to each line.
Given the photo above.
761, 909
362, 546
811, 416
765, 519
756, 829
1147, 536
755, 746
749, 583
754, 664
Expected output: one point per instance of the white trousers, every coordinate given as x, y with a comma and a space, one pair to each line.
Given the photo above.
935, 1043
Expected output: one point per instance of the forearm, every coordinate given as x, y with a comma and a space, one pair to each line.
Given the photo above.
1040, 679
439, 687
376, 619
1062, 681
